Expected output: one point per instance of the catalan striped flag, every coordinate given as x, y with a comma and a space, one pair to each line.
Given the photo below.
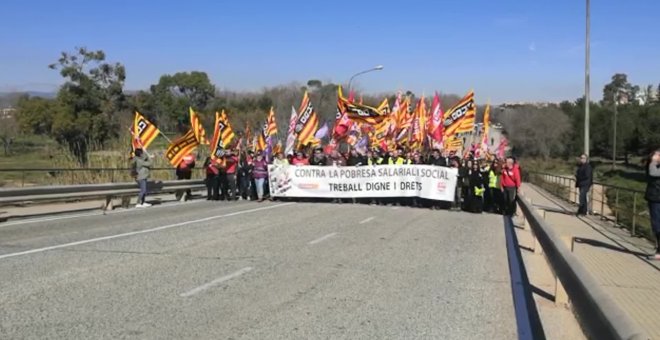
467, 124
484, 135
198, 128
405, 121
262, 138
361, 113
143, 132
453, 144
272, 125
222, 135
417, 136
308, 122
227, 134
181, 147
460, 118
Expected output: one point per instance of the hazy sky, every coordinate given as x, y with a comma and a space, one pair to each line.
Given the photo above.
506, 50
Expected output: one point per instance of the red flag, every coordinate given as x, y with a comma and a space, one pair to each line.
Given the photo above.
436, 128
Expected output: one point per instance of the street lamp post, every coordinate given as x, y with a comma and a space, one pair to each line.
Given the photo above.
586, 84
377, 68
616, 112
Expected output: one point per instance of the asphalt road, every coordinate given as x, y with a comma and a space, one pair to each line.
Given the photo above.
208, 270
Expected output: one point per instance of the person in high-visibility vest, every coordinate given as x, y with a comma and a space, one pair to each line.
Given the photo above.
494, 186
397, 158
476, 191
373, 158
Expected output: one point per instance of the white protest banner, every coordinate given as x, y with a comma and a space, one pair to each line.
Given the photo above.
425, 181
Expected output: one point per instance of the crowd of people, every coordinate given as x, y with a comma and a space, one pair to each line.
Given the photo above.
483, 184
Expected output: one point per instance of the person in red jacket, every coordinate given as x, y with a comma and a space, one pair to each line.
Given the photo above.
184, 172
212, 167
300, 159
231, 167
511, 181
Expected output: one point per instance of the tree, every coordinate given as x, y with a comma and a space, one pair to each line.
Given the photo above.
35, 115
620, 87
8, 131
174, 94
88, 102
536, 132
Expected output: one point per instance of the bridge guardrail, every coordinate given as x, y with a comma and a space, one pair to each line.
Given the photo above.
623, 206
93, 191
25, 177
598, 313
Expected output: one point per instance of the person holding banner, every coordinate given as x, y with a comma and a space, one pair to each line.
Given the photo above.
397, 158
355, 159
335, 159
373, 158
318, 158
300, 159
280, 160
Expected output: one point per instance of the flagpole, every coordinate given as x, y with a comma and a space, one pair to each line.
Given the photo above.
140, 141
169, 140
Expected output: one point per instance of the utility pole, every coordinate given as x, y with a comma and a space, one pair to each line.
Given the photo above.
586, 84
616, 112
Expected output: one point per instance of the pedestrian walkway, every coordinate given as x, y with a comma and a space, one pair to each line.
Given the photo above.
616, 260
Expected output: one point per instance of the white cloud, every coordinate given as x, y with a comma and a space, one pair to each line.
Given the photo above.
532, 47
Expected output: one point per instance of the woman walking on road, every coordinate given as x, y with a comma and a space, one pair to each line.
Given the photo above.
653, 197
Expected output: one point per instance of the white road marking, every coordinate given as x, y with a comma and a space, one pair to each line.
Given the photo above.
98, 213
367, 220
395, 207
110, 237
323, 238
47, 219
215, 282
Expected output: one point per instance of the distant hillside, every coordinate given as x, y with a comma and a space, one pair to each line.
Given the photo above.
10, 98
30, 93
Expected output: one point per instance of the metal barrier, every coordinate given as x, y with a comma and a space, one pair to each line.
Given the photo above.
623, 206
108, 191
22, 177
597, 312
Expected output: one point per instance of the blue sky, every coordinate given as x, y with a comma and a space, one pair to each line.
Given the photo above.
506, 50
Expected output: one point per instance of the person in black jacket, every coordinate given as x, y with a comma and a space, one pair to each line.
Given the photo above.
245, 168
318, 158
652, 196
476, 191
583, 181
464, 183
355, 159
